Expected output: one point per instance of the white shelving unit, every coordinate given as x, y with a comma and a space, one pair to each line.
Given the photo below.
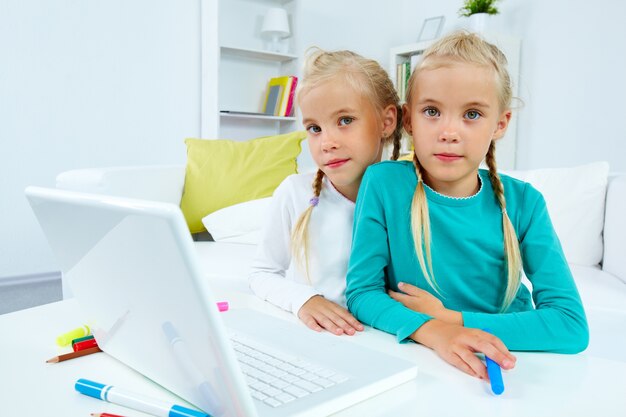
257, 116
257, 54
403, 53
239, 69
511, 46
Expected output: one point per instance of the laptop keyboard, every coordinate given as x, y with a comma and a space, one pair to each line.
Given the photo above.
277, 378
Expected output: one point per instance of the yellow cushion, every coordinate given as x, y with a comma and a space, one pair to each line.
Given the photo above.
221, 173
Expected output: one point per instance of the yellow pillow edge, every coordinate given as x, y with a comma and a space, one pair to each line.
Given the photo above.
195, 208
299, 134
194, 212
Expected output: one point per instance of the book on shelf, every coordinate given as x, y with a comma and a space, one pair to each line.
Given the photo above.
272, 97
279, 96
287, 108
407, 75
403, 73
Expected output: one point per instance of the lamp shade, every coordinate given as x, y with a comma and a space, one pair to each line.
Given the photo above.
276, 22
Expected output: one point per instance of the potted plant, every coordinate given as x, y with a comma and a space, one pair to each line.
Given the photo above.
477, 12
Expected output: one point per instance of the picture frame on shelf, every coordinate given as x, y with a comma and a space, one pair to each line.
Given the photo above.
431, 28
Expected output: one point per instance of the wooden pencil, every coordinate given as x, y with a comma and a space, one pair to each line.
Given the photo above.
105, 415
73, 355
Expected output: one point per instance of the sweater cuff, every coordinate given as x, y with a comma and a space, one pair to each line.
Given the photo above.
408, 329
473, 320
303, 297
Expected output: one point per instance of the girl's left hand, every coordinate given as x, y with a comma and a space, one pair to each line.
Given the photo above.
319, 313
424, 302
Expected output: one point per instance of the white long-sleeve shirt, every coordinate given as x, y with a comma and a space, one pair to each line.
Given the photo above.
275, 275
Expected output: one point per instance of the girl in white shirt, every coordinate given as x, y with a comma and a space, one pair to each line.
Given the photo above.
350, 109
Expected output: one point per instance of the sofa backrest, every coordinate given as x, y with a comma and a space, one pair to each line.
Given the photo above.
575, 197
151, 182
614, 260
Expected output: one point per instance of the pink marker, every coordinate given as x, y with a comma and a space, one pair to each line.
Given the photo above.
222, 305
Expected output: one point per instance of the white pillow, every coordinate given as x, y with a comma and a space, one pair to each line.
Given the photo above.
575, 198
240, 223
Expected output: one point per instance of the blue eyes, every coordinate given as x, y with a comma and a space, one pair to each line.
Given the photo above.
469, 115
344, 121
313, 129
472, 115
431, 112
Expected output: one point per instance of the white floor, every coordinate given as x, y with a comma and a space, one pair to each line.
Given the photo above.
20, 296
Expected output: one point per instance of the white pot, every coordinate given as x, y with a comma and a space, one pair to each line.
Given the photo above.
478, 22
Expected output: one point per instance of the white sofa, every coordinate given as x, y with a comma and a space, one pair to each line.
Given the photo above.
598, 252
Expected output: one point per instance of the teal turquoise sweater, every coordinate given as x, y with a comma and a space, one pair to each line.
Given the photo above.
468, 262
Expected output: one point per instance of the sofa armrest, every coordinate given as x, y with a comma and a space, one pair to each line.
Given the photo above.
614, 261
158, 182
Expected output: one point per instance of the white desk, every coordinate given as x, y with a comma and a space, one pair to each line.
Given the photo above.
589, 384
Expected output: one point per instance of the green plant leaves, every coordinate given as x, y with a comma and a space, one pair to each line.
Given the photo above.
471, 7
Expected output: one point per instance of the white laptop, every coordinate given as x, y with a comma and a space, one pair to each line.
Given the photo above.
132, 266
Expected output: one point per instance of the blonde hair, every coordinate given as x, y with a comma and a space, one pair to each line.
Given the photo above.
367, 78
471, 49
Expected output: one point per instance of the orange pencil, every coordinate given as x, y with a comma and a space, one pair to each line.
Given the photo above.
73, 355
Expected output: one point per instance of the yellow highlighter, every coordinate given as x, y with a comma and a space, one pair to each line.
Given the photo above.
66, 338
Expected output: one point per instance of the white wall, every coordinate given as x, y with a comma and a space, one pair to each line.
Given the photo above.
86, 83
369, 28
572, 76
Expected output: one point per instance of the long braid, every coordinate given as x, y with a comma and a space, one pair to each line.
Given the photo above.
511, 244
420, 227
470, 48
299, 234
396, 136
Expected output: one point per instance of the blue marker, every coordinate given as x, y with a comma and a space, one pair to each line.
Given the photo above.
137, 402
495, 374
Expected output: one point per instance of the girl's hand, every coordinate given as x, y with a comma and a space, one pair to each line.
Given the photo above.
318, 313
424, 302
458, 346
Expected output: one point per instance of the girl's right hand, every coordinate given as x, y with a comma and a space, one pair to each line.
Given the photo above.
458, 346
424, 302
318, 313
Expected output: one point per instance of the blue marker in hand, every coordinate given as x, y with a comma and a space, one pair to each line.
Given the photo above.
495, 374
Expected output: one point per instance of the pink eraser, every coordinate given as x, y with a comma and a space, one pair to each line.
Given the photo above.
222, 305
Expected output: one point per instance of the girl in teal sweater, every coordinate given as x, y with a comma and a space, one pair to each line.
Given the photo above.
439, 244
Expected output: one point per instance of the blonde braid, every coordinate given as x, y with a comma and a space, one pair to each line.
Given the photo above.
420, 227
469, 48
396, 136
511, 244
299, 234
